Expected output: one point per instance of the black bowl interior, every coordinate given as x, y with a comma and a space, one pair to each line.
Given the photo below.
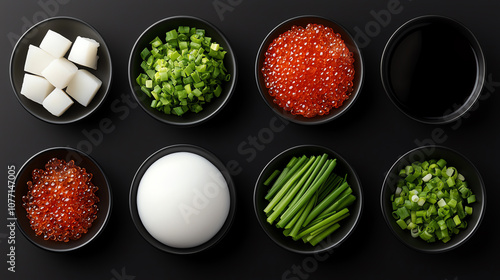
472, 177
38, 161
406, 57
347, 226
135, 186
159, 29
303, 21
69, 28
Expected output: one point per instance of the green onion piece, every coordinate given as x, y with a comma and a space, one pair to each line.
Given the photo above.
334, 218
177, 62
184, 29
294, 221
171, 35
288, 183
325, 203
441, 163
271, 177
277, 183
305, 185
402, 224
429, 200
302, 217
324, 234
280, 183
319, 169
307, 169
146, 91
287, 216
415, 232
145, 53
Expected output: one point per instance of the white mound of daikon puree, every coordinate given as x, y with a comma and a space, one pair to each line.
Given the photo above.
183, 200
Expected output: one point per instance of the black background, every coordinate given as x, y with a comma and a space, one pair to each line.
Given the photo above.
371, 136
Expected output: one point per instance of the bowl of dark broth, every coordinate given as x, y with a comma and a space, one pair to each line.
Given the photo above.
433, 69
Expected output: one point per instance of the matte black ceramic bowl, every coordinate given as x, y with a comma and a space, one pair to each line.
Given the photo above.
303, 21
464, 167
99, 179
160, 28
433, 69
347, 226
70, 28
135, 186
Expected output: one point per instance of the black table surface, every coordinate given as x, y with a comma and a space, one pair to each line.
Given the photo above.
371, 136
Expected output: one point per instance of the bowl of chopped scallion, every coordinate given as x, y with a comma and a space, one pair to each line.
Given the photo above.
308, 199
433, 199
182, 70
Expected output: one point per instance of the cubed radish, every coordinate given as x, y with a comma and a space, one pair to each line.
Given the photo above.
84, 52
36, 88
60, 72
57, 102
36, 60
83, 87
55, 44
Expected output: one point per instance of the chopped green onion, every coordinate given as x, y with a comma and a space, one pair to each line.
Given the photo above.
429, 200
271, 178
188, 59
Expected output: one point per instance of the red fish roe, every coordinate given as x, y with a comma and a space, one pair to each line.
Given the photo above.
309, 70
61, 201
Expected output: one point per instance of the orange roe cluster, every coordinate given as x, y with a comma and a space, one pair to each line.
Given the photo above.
61, 201
309, 70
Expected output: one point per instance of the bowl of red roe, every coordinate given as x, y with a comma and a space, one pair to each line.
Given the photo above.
63, 199
309, 70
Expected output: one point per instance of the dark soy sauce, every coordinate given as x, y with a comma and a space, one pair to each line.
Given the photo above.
432, 70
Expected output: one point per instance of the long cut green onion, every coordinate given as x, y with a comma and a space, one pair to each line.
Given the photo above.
307, 199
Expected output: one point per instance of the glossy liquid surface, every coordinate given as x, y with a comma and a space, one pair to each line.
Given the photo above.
432, 70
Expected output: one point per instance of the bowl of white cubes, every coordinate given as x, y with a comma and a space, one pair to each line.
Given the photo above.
60, 70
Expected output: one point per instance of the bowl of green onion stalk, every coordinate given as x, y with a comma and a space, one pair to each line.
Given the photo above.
182, 70
308, 199
433, 199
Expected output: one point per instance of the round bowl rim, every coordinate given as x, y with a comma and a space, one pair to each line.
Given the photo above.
223, 231
108, 203
453, 245
478, 54
109, 81
359, 198
299, 119
231, 84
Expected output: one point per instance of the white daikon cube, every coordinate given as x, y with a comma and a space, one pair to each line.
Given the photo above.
83, 87
55, 44
35, 88
57, 102
84, 52
36, 60
60, 72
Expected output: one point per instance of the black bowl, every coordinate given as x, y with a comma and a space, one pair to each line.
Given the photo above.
159, 28
135, 186
99, 179
433, 69
347, 226
303, 21
472, 177
70, 28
